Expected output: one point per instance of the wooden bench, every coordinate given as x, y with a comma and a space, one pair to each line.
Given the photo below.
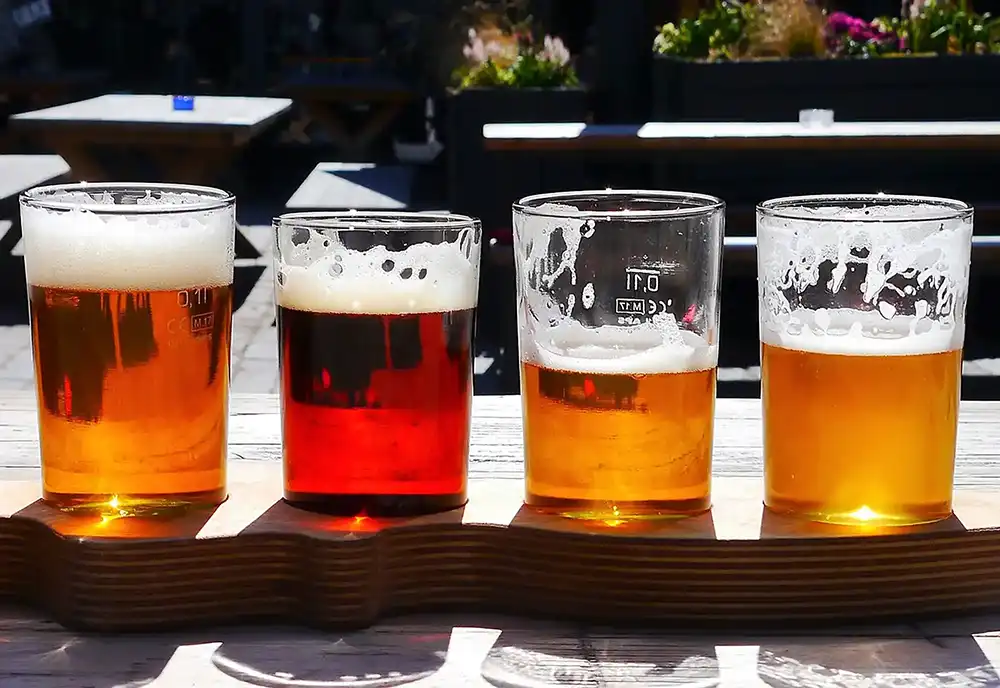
698, 136
353, 186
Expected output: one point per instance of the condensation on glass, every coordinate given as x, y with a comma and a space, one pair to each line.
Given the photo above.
618, 318
130, 296
862, 321
375, 319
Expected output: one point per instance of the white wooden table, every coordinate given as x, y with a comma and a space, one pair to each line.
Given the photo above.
353, 186
695, 136
479, 650
21, 172
186, 146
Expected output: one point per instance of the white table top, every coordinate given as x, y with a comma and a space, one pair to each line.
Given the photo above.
21, 172
703, 130
353, 186
209, 111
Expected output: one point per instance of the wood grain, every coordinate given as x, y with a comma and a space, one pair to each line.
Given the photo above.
468, 649
256, 558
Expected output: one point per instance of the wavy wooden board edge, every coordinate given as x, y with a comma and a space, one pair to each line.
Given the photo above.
255, 557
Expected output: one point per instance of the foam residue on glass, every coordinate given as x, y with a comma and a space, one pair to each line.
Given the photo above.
553, 337
320, 274
886, 288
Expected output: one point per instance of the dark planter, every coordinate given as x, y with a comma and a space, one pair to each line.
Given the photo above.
965, 87
485, 185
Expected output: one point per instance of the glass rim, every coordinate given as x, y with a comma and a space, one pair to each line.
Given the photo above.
703, 204
377, 220
789, 207
213, 198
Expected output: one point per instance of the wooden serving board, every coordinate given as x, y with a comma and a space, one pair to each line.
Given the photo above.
255, 557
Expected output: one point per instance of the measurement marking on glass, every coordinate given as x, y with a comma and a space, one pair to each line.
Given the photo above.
639, 307
630, 306
645, 280
200, 323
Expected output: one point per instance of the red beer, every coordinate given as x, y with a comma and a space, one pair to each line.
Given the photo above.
376, 410
375, 318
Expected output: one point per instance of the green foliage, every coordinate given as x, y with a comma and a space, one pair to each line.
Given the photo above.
728, 29
718, 32
947, 27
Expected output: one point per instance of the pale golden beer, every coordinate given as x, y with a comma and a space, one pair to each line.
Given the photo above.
862, 322
130, 296
616, 444
854, 438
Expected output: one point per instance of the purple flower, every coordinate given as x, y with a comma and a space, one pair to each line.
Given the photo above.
839, 22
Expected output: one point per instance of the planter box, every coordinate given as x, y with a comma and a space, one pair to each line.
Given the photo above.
485, 185
963, 87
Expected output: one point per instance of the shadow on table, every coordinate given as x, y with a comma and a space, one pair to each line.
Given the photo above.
530, 659
258, 657
875, 662
504, 652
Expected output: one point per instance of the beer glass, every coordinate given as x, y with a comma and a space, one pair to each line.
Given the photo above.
862, 319
130, 290
617, 308
375, 319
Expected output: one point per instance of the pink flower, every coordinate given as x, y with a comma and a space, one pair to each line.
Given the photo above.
554, 50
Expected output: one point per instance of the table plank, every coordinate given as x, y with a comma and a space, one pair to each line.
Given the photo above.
481, 650
156, 111
580, 136
353, 186
21, 172
497, 449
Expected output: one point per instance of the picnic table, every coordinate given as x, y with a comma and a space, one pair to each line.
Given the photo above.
328, 92
19, 173
699, 136
194, 146
471, 649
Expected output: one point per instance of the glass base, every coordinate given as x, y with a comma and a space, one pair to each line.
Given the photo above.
124, 505
375, 505
863, 516
601, 510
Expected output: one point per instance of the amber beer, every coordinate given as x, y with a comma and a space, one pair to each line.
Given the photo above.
861, 432
133, 390
608, 444
130, 299
376, 408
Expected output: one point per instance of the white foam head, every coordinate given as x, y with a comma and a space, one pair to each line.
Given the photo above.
862, 333
645, 349
914, 251
323, 276
84, 248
